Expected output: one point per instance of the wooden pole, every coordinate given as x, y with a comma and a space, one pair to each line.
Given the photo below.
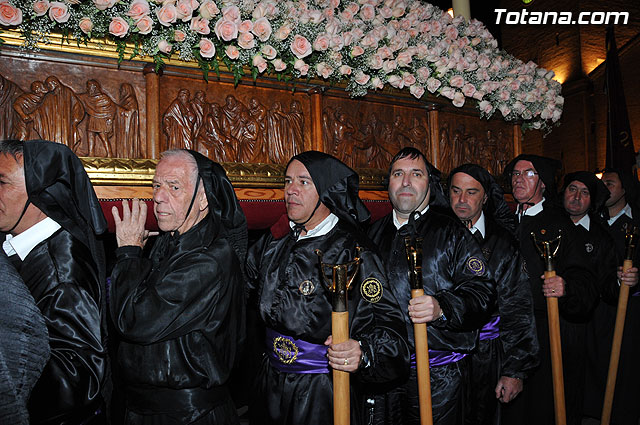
422, 367
341, 395
555, 344
623, 299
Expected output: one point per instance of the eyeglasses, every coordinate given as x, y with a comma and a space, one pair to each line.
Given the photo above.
526, 173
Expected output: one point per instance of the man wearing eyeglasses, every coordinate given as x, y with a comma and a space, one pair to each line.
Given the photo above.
533, 187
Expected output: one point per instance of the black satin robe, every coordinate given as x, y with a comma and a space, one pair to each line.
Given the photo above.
514, 353
63, 280
626, 409
466, 296
181, 318
576, 306
276, 268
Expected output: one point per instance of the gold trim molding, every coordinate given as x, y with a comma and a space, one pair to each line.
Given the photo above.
139, 172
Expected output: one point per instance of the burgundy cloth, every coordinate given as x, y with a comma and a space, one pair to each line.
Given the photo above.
261, 214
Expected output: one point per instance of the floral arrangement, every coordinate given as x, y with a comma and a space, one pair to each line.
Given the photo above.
366, 43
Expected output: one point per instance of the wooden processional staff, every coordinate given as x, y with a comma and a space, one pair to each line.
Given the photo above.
342, 276
548, 250
631, 241
414, 258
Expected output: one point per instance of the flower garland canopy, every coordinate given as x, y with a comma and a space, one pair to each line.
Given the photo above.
367, 43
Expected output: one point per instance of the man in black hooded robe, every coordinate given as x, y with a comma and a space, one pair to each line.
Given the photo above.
533, 186
325, 213
180, 311
508, 348
49, 219
459, 290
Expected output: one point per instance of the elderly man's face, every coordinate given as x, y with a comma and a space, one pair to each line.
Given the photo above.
13, 197
526, 183
467, 197
301, 196
173, 187
409, 186
577, 199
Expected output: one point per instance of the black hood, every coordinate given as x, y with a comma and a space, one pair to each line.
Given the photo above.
597, 189
545, 167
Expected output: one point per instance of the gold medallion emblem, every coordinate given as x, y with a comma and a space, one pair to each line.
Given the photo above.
476, 266
285, 349
307, 287
371, 290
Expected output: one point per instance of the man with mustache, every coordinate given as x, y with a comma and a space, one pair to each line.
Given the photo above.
459, 290
508, 348
288, 288
533, 186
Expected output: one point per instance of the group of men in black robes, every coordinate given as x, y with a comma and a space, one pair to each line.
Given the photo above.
177, 310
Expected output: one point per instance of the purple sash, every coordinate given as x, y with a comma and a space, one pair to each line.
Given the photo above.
490, 330
291, 355
440, 358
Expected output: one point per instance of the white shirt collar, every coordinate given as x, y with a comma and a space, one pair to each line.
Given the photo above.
479, 226
584, 222
23, 243
397, 223
321, 229
531, 211
626, 210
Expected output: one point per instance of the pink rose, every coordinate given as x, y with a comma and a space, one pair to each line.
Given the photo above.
104, 4
231, 13
138, 9
377, 83
395, 81
433, 84
367, 13
283, 32
259, 62
456, 81
208, 9
384, 52
184, 10
167, 14
386, 12
164, 46
408, 79
337, 42
323, 70
485, 107
59, 12
179, 36
268, 51
504, 110
458, 99
85, 25
315, 16
362, 78
200, 25
207, 48
300, 46
246, 40
346, 16
416, 90
41, 7
451, 32
245, 26
389, 66
504, 95
356, 51
404, 58
375, 62
321, 43
279, 65
423, 73
301, 66
232, 52
262, 29
345, 70
118, 27
468, 90
226, 30
144, 25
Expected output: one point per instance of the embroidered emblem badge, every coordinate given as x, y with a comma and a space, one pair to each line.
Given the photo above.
371, 290
285, 349
307, 287
543, 231
476, 266
588, 247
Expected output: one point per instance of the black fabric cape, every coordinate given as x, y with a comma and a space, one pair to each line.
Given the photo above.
276, 269
575, 309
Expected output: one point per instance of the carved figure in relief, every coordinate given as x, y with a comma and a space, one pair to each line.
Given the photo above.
258, 113
59, 114
178, 121
31, 117
200, 108
247, 137
343, 137
296, 127
212, 141
418, 135
278, 147
101, 110
9, 119
231, 112
446, 150
127, 125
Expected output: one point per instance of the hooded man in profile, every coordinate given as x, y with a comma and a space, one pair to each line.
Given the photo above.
50, 220
288, 288
180, 311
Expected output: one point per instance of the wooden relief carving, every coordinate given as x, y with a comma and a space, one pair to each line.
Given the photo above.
90, 123
489, 148
233, 131
369, 140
